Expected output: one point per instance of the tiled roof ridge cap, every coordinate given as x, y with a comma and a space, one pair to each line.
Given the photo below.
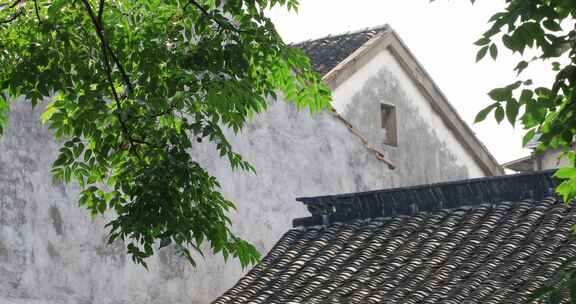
431, 185
427, 198
384, 26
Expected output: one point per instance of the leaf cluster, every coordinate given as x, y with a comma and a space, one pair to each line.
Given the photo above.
133, 86
547, 112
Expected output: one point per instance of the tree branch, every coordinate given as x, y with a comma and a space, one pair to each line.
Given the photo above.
172, 108
100, 11
108, 69
13, 17
12, 5
37, 10
125, 77
98, 24
120, 67
204, 11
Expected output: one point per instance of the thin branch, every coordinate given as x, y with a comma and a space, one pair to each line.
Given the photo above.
112, 54
97, 21
212, 17
140, 141
125, 77
104, 48
172, 108
13, 17
37, 10
13, 5
100, 11
108, 70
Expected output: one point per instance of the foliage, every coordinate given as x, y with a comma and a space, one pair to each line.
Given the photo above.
133, 86
547, 113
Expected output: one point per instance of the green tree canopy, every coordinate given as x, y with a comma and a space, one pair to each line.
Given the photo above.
540, 30
133, 85
547, 29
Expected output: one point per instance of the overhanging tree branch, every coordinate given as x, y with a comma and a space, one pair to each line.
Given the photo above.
100, 11
11, 5
204, 11
108, 69
98, 24
112, 54
37, 10
13, 17
162, 194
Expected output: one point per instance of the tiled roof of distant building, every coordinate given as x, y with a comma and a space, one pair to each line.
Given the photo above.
488, 240
326, 53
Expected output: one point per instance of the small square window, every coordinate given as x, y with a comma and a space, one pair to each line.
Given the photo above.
388, 117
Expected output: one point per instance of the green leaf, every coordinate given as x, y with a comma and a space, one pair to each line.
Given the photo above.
493, 51
499, 114
540, 293
483, 113
4, 109
500, 94
551, 25
521, 66
555, 297
482, 41
567, 189
572, 285
48, 112
566, 173
512, 111
526, 96
481, 53
543, 92
528, 137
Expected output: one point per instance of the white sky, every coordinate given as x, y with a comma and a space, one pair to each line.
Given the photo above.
441, 35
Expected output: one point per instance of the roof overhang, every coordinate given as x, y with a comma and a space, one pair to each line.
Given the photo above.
524, 164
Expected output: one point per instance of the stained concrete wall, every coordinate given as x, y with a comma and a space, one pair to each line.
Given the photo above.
52, 252
427, 150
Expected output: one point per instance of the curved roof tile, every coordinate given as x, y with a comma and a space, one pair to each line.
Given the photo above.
498, 252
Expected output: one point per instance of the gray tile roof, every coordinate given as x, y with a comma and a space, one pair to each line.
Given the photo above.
495, 252
326, 53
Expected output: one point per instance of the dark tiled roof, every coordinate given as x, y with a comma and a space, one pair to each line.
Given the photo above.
497, 252
426, 198
325, 53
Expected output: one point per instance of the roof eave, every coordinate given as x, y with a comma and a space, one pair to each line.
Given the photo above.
519, 165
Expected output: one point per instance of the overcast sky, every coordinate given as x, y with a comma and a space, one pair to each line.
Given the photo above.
441, 35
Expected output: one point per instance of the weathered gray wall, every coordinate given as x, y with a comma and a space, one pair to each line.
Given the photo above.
52, 252
421, 156
428, 150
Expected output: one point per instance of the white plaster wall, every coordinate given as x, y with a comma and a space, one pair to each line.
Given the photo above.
51, 252
344, 94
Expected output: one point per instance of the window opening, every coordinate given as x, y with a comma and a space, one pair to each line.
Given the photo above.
389, 125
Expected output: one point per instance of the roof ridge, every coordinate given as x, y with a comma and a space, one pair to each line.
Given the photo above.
427, 198
384, 26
